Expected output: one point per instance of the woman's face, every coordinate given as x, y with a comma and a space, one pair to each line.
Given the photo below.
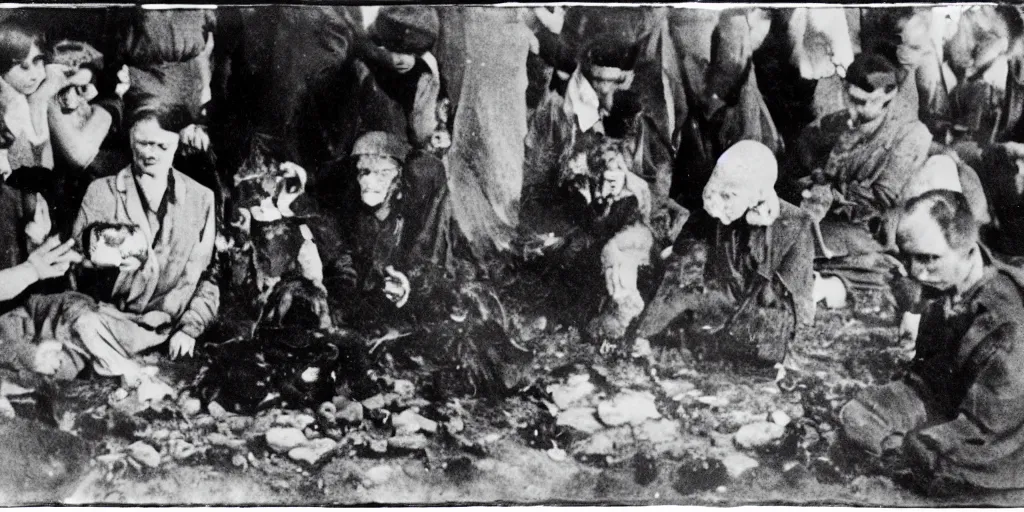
152, 147
727, 201
26, 76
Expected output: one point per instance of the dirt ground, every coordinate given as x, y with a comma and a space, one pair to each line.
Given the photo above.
674, 441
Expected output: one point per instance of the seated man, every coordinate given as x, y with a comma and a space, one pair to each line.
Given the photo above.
859, 160
150, 229
395, 215
955, 418
591, 104
760, 255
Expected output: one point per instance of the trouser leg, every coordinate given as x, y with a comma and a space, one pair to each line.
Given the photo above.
880, 412
111, 340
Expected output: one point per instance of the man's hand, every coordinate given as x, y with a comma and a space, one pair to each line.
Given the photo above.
396, 286
53, 259
124, 81
47, 360
195, 136
181, 344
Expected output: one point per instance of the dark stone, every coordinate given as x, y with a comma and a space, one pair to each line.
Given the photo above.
695, 475
645, 469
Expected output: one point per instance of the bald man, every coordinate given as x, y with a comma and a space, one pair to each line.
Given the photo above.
957, 417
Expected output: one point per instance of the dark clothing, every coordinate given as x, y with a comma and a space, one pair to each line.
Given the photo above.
770, 265
963, 409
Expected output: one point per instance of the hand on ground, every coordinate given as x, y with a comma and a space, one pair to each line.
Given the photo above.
181, 345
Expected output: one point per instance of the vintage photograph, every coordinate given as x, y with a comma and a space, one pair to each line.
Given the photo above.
553, 254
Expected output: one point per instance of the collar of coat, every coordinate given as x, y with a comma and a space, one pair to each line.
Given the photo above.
174, 186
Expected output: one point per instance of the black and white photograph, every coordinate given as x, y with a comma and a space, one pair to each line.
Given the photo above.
330, 254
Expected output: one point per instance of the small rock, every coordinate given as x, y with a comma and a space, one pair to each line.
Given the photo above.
216, 410
313, 452
191, 407
182, 450
299, 421
580, 418
605, 442
410, 422
379, 445
456, 425
633, 407
239, 461
675, 388
540, 323
780, 418
557, 454
414, 442
283, 439
144, 454
758, 435
713, 401
738, 463
340, 402
160, 435
374, 402
327, 412
659, 433
404, 388
574, 390
378, 475
238, 423
351, 413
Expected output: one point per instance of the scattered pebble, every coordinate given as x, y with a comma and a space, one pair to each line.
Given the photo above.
557, 454
191, 407
378, 475
633, 407
374, 402
737, 464
580, 418
780, 418
144, 454
413, 442
216, 410
573, 391
758, 435
351, 413
282, 439
313, 452
404, 388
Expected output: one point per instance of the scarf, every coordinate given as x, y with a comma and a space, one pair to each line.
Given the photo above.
582, 102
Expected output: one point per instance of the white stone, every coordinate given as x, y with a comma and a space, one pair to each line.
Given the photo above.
633, 407
350, 413
673, 388
572, 392
412, 442
580, 418
410, 422
144, 454
282, 439
314, 451
780, 418
378, 474
757, 435
404, 388
738, 463
216, 410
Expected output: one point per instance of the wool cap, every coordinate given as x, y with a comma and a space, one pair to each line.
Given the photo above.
382, 144
409, 29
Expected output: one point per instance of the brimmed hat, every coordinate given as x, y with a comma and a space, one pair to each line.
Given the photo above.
382, 144
406, 28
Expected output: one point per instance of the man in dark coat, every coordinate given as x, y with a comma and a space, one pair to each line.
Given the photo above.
957, 417
760, 255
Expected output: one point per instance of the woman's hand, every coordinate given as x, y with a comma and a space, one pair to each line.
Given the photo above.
195, 136
53, 259
124, 81
40, 226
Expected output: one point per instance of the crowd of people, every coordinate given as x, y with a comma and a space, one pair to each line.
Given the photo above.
163, 166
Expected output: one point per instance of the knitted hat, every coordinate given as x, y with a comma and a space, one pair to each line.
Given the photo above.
406, 28
612, 52
751, 167
382, 144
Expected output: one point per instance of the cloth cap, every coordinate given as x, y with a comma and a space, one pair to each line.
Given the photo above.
612, 52
382, 144
872, 72
406, 28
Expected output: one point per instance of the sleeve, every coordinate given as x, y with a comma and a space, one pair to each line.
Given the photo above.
796, 270
205, 302
904, 159
988, 424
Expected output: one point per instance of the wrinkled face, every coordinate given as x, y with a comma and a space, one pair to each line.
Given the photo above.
579, 179
378, 178
26, 75
915, 41
927, 255
152, 147
865, 107
613, 179
606, 81
402, 62
727, 200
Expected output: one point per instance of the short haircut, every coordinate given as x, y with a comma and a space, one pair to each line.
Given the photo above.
610, 51
951, 211
871, 71
172, 117
16, 39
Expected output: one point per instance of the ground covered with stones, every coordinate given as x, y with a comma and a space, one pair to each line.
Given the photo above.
650, 427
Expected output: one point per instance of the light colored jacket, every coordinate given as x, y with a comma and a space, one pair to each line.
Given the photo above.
173, 278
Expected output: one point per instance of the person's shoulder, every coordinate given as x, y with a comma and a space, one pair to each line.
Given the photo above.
792, 215
193, 189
